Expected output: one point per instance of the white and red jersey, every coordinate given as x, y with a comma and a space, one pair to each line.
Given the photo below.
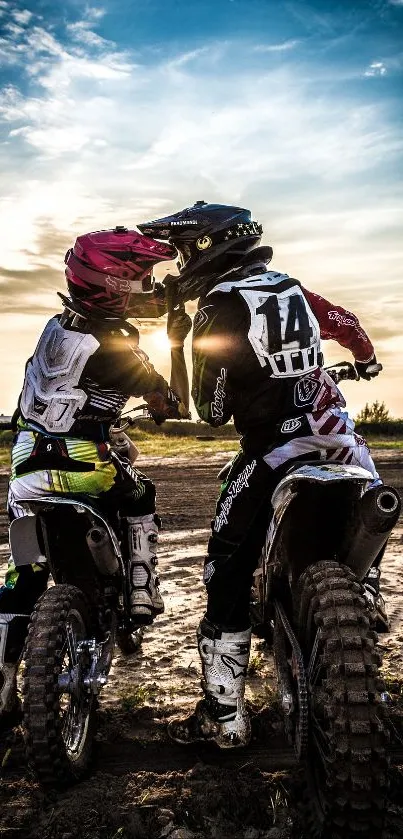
257, 352
340, 325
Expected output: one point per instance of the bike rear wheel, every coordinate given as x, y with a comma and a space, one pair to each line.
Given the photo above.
58, 709
346, 764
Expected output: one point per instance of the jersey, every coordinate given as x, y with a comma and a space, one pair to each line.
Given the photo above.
79, 379
257, 352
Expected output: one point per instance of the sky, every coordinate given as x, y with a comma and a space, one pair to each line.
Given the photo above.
119, 112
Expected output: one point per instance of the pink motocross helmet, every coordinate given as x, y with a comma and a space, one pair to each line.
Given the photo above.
105, 268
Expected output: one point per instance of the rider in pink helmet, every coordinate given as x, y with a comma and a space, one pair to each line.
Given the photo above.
86, 365
109, 273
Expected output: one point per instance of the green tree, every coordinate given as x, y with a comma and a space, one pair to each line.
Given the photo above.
377, 412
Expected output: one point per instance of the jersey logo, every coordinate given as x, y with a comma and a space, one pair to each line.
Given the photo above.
217, 406
305, 391
290, 425
200, 318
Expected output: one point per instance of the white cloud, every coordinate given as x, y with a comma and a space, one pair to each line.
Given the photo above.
81, 31
113, 141
377, 68
22, 16
283, 47
93, 13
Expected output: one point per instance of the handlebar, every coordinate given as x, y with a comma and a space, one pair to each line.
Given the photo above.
344, 370
127, 419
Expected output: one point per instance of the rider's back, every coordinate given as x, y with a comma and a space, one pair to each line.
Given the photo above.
257, 353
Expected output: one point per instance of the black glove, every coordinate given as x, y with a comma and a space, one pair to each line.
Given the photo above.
150, 304
165, 407
179, 326
368, 369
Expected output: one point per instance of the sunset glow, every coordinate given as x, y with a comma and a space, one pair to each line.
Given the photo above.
291, 109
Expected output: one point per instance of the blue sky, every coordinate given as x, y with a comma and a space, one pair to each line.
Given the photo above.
116, 112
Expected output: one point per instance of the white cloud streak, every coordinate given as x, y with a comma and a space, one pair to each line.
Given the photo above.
283, 47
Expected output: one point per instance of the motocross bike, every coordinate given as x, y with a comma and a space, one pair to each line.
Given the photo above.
75, 624
330, 525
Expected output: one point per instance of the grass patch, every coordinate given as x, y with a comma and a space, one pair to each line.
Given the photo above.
136, 697
256, 664
5, 452
378, 443
163, 445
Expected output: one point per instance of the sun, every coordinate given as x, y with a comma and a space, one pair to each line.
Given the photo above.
160, 340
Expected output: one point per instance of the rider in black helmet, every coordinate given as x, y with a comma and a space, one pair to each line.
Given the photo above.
256, 357
210, 239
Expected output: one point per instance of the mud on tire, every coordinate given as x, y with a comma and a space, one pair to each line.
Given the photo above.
346, 766
58, 726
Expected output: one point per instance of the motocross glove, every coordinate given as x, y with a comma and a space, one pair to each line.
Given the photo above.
165, 407
150, 304
179, 326
368, 369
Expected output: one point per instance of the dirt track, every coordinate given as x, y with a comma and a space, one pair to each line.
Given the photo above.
143, 785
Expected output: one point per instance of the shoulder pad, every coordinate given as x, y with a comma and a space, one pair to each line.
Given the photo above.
268, 278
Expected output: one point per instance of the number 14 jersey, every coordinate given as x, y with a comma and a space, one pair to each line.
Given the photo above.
257, 348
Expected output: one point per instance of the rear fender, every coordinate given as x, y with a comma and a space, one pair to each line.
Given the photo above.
324, 473
311, 508
24, 543
28, 532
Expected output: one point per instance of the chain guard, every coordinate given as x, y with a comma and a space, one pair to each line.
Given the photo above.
292, 682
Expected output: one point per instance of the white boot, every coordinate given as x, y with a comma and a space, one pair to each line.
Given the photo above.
145, 597
221, 716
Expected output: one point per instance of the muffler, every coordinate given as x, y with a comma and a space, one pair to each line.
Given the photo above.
376, 515
99, 543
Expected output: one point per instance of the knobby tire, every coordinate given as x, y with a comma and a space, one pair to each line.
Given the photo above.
45, 708
346, 766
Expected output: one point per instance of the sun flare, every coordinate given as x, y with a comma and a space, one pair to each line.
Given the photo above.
160, 340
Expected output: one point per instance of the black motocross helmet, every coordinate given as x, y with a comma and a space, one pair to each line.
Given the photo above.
210, 239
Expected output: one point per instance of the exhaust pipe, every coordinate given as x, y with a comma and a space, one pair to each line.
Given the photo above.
377, 513
99, 543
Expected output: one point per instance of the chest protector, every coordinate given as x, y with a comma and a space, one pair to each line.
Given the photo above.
51, 395
283, 331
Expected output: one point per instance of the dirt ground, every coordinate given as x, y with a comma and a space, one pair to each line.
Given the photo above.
143, 786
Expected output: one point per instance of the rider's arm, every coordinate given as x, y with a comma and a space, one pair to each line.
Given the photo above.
121, 364
212, 345
340, 325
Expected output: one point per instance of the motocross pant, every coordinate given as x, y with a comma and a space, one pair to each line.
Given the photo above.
244, 511
118, 488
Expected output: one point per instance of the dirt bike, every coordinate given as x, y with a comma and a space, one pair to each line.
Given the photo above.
75, 625
330, 524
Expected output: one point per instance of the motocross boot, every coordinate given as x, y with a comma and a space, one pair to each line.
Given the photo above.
375, 600
145, 598
221, 716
